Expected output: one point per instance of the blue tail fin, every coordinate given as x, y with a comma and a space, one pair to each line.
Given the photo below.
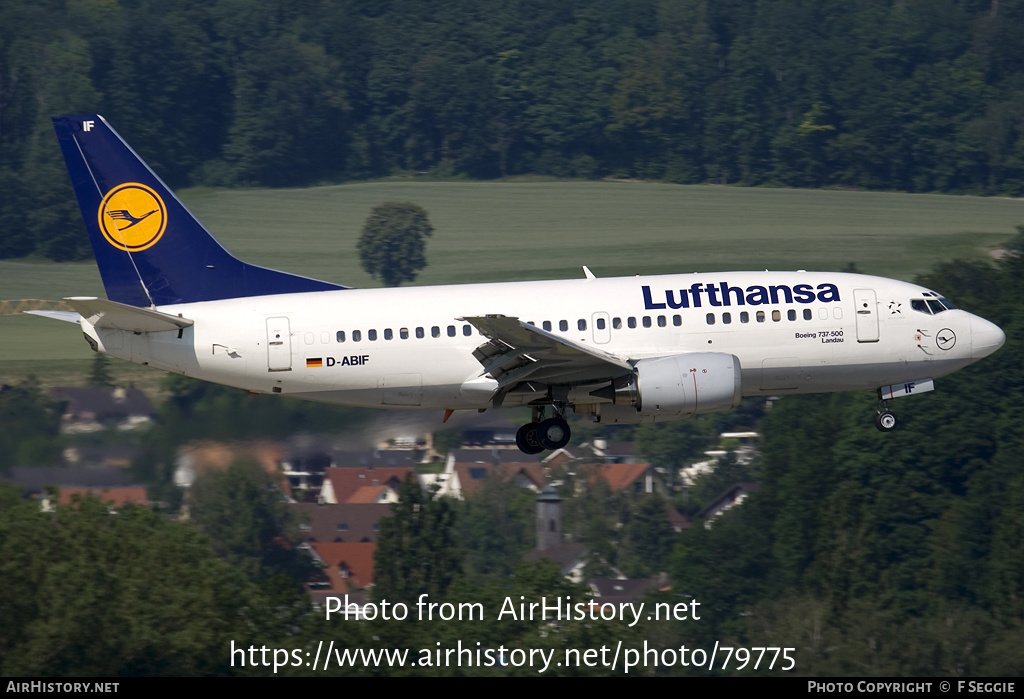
150, 249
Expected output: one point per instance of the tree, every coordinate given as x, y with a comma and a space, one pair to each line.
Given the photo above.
249, 522
416, 547
392, 244
99, 374
92, 593
29, 425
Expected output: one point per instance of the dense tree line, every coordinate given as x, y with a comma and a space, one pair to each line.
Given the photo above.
917, 95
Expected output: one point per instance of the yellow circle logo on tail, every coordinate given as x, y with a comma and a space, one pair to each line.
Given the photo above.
132, 217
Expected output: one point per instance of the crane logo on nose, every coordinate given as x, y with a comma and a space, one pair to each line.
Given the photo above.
945, 339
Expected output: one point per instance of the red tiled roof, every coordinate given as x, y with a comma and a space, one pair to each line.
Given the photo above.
367, 495
346, 481
470, 486
357, 557
115, 496
344, 522
618, 476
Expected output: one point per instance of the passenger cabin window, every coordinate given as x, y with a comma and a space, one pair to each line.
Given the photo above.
563, 325
677, 320
662, 321
435, 331
371, 335
341, 336
601, 323
451, 331
546, 325
357, 335
727, 318
808, 314
581, 324
631, 322
710, 318
467, 330
420, 334
388, 334
647, 321
617, 323
744, 317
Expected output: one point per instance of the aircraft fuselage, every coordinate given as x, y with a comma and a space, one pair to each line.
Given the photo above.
792, 332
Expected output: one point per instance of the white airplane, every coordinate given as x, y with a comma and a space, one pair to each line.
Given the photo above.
621, 350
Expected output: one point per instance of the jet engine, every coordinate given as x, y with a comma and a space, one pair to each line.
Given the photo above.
672, 387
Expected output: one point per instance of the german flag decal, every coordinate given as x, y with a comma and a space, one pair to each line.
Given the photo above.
314, 363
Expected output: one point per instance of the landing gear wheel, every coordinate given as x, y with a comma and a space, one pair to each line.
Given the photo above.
553, 433
527, 439
885, 421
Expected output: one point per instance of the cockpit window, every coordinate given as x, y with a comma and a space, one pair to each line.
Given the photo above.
933, 305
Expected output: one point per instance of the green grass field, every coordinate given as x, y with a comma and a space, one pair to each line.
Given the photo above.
503, 231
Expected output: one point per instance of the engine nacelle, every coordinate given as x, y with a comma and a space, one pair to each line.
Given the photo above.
677, 386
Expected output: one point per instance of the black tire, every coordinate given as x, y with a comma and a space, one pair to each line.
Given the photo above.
527, 439
885, 421
554, 433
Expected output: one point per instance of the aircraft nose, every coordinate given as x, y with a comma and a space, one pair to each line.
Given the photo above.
986, 337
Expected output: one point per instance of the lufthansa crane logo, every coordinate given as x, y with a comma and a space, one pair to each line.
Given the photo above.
132, 217
945, 339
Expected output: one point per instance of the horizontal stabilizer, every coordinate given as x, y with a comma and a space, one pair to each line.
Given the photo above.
66, 316
101, 313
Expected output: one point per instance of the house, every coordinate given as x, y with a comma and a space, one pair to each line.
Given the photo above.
571, 559
598, 451
728, 499
120, 456
676, 519
93, 409
197, 458
488, 455
363, 485
348, 566
116, 497
34, 481
468, 479
743, 446
341, 523
617, 591
628, 477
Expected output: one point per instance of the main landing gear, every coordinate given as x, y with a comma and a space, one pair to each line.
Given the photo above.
540, 434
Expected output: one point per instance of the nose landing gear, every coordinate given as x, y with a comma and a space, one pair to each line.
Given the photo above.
885, 420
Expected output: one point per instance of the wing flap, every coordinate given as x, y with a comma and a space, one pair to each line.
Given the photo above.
516, 351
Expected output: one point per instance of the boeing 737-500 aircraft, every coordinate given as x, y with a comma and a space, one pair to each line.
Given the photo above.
623, 350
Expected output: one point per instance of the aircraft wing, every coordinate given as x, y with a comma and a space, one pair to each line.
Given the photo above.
517, 352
